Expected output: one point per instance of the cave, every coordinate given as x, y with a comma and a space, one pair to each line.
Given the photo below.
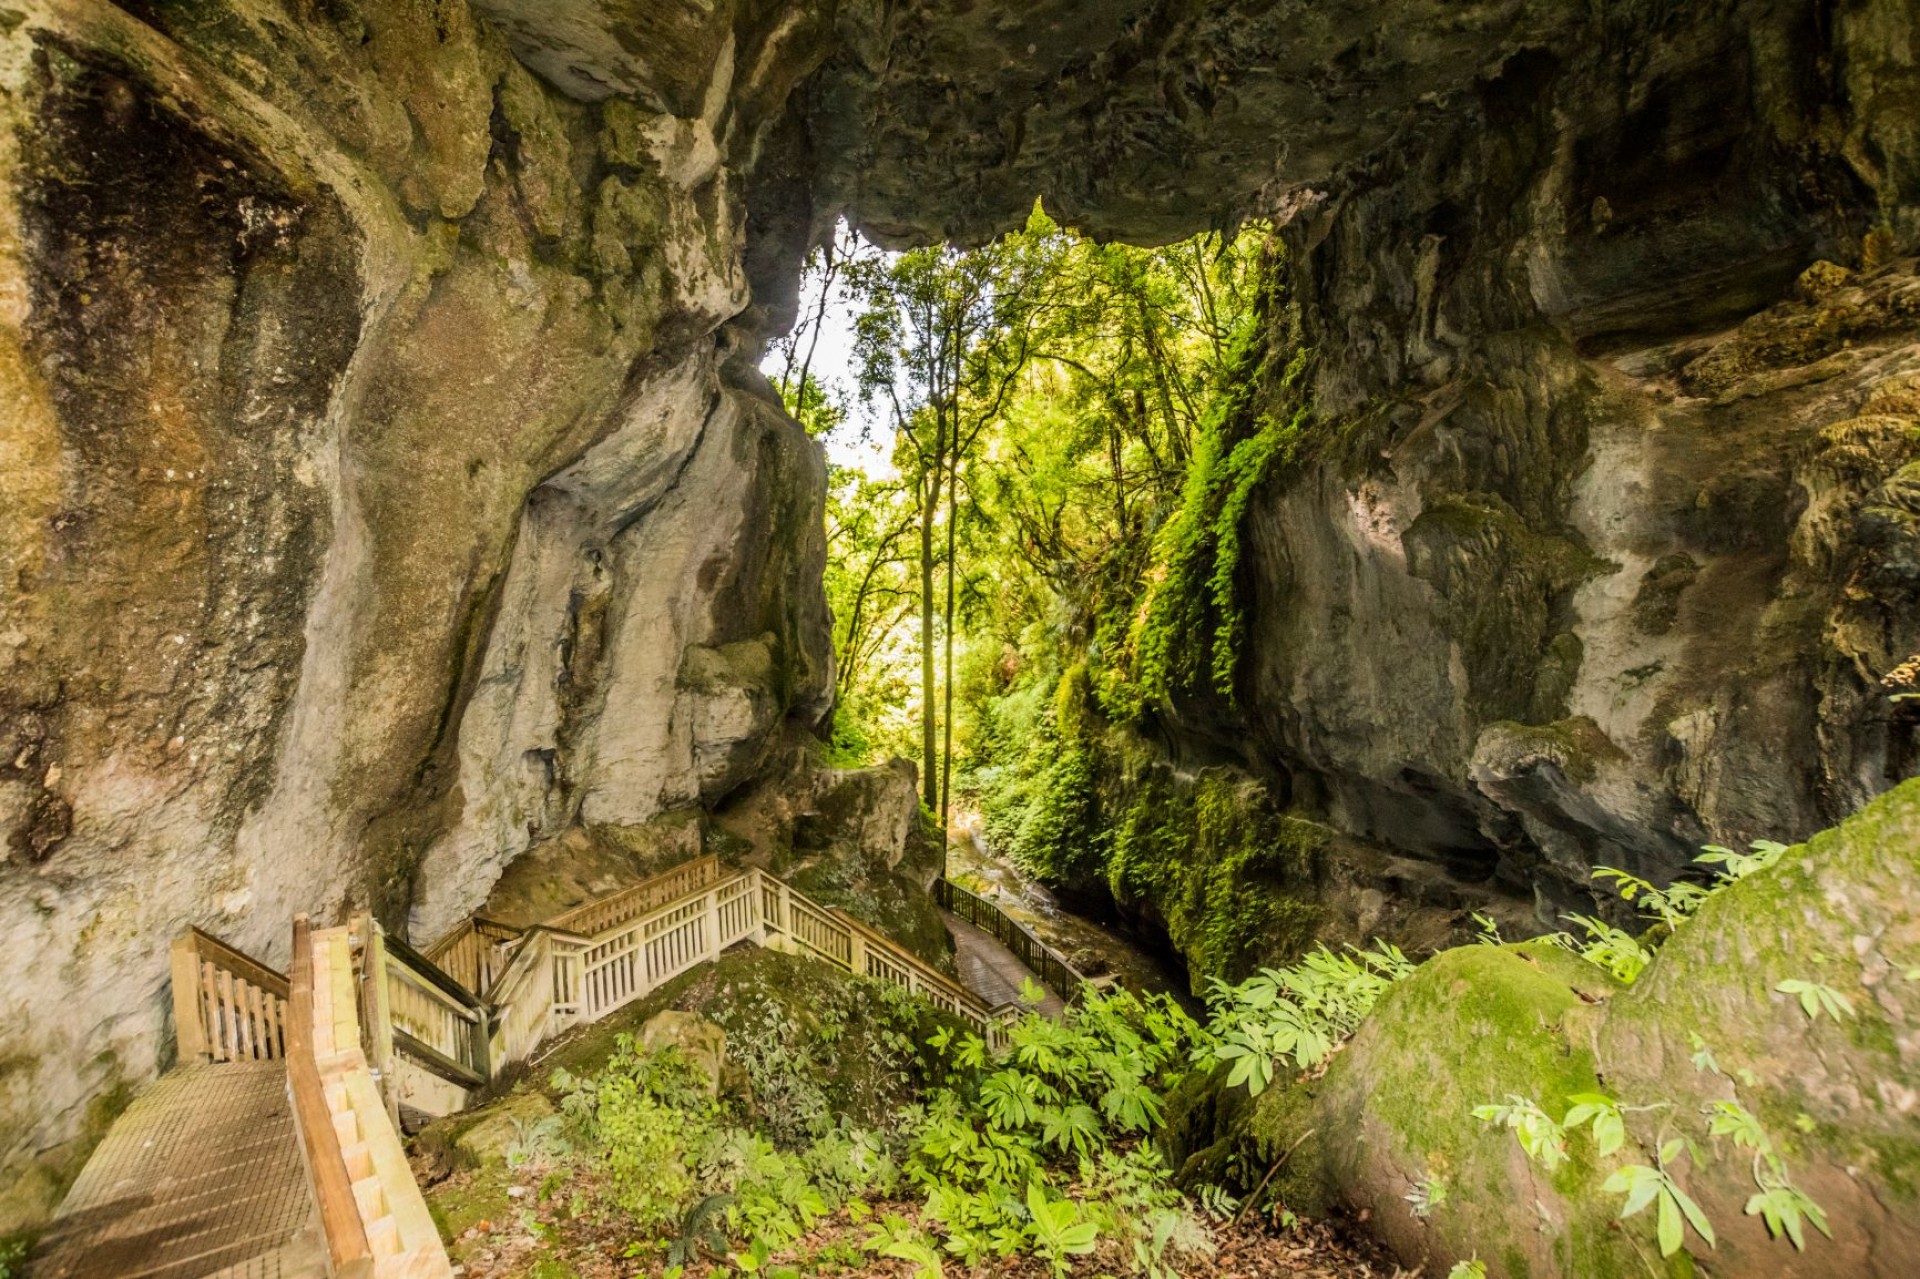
391, 489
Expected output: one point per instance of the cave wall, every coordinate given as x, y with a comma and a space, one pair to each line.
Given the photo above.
1601, 539
388, 486
384, 490
1608, 536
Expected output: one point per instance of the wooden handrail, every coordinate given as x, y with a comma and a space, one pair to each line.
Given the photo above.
433, 975
346, 1235
226, 1005
705, 870
238, 962
922, 969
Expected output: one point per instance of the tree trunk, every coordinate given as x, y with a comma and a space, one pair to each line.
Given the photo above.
929, 507
946, 751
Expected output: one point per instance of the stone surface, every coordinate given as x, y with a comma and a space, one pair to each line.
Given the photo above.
381, 448
1483, 1024
387, 488
503, 1127
699, 1041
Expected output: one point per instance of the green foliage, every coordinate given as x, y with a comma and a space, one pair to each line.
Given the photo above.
1816, 998
1613, 949
1542, 1138
1627, 956
13, 1255
1189, 630
1057, 1229
1299, 1012
1776, 1200
637, 1119
1036, 1148
1643, 1184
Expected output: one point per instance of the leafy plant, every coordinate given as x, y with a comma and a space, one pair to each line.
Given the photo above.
1300, 1012
1603, 1113
1643, 1184
1428, 1193
1613, 949
1816, 998
1543, 1140
894, 1236
1778, 1203
1472, 1268
1058, 1230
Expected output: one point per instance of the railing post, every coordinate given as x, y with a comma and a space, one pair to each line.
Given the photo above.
189, 1027
856, 952
757, 899
713, 924
376, 1015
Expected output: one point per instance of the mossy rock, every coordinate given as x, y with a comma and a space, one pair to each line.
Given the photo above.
811, 1041
1484, 1024
1230, 877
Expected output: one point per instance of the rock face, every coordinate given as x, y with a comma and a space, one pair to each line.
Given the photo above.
387, 487
1484, 1024
384, 491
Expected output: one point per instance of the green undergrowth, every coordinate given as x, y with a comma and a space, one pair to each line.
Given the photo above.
1540, 1108
1208, 858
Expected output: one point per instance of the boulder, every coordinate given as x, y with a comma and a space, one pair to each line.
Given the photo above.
1485, 1024
699, 1041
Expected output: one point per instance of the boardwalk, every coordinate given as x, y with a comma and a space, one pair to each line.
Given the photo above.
200, 1177
989, 970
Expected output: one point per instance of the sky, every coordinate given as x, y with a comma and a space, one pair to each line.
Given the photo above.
833, 366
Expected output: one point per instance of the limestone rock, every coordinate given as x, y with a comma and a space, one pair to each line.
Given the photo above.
701, 1043
1481, 1024
504, 1127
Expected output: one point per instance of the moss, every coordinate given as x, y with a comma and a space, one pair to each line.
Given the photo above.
1656, 605
1229, 875
1501, 580
1578, 745
790, 1021
464, 1201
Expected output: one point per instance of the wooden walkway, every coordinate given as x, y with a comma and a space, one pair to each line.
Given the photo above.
200, 1177
989, 969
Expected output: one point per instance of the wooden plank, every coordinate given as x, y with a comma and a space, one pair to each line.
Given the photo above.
189, 1022
238, 962
436, 1061
340, 1224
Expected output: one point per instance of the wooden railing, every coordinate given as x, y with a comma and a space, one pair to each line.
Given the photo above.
348, 1256
383, 1229
839, 939
598, 916
434, 1018
475, 952
227, 1006
1049, 964
367, 1025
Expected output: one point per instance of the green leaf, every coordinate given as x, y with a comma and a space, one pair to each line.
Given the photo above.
1670, 1231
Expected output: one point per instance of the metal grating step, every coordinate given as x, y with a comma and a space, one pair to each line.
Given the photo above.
200, 1177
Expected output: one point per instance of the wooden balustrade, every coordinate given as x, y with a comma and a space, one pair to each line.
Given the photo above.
475, 952
348, 1255
227, 1006
434, 1020
606, 913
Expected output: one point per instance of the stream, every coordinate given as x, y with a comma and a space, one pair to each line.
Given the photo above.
1098, 948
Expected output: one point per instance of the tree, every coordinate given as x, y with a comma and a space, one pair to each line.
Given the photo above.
943, 338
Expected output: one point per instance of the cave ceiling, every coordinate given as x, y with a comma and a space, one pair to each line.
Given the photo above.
1144, 120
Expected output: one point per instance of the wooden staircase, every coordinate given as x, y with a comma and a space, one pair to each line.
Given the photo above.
369, 1031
